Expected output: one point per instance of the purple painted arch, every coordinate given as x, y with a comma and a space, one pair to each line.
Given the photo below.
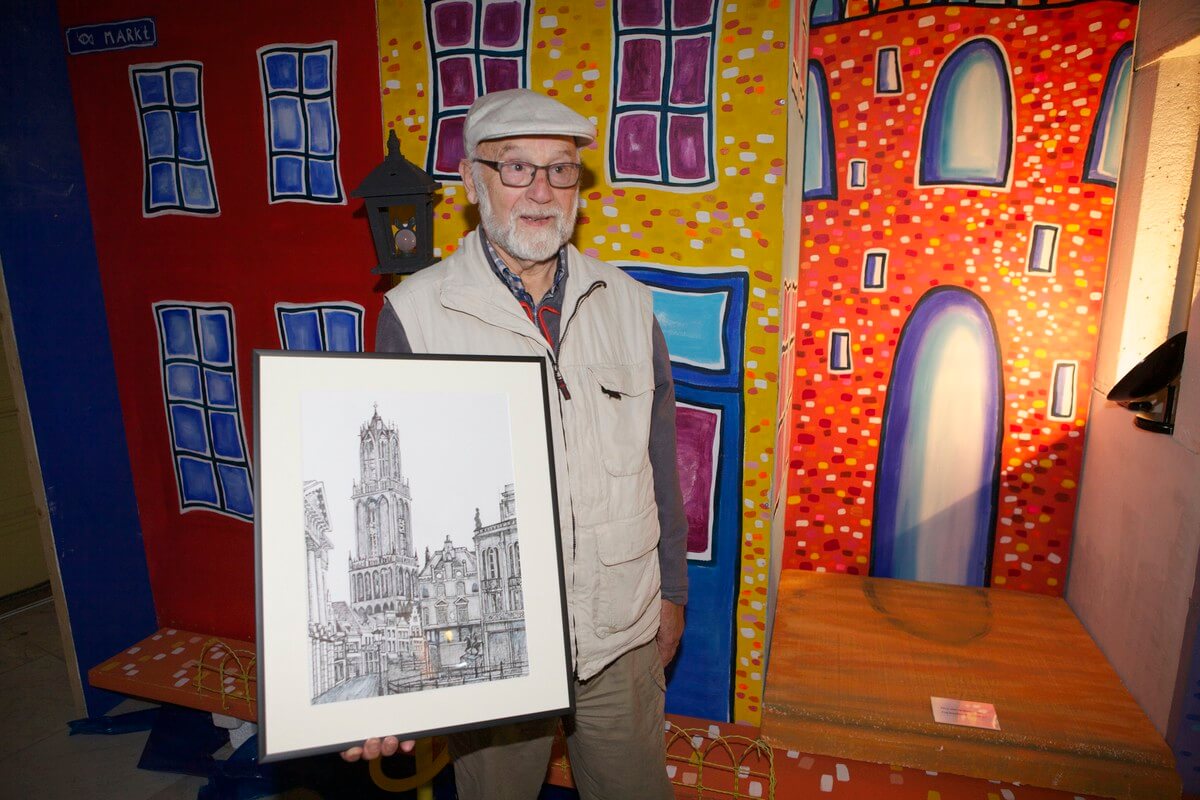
938, 470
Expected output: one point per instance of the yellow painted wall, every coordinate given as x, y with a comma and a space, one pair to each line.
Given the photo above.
737, 222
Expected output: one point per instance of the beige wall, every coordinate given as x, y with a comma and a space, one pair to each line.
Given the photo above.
1137, 537
22, 564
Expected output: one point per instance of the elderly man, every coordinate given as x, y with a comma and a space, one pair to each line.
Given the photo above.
517, 287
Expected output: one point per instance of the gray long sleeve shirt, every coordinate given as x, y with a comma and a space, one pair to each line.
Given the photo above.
672, 546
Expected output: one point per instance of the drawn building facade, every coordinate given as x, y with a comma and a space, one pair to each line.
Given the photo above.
327, 652
499, 558
450, 609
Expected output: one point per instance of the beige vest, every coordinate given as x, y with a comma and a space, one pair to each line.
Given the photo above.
608, 518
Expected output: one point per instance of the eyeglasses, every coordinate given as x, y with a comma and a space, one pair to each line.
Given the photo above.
519, 174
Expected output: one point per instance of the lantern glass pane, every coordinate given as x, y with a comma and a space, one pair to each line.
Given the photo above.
404, 231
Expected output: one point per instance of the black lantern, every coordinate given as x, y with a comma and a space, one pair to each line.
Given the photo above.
399, 198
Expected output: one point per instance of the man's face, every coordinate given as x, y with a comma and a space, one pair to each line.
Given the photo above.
529, 223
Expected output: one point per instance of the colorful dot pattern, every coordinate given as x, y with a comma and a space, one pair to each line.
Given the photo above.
975, 238
733, 223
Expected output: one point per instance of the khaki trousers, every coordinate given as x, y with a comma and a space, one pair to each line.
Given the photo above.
614, 739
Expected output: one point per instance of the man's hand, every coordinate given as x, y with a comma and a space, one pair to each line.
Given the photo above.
670, 629
374, 748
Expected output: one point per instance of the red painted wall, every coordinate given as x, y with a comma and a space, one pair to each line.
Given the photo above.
251, 256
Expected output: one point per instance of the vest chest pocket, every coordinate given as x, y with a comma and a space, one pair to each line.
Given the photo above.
622, 398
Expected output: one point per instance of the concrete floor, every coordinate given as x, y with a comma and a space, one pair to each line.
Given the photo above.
37, 757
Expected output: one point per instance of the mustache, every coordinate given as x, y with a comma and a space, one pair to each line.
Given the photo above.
537, 213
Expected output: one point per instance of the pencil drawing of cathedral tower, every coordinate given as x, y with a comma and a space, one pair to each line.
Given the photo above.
383, 567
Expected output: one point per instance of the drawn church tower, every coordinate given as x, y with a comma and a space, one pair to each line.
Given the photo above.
383, 569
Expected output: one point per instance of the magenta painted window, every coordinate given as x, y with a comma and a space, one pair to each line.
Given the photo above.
475, 47
662, 112
689, 71
641, 77
453, 23
457, 81
688, 147
691, 13
636, 145
449, 144
696, 436
500, 74
502, 24
640, 13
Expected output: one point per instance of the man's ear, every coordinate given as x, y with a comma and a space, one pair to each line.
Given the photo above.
468, 179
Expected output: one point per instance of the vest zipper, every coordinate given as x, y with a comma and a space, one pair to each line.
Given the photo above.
565, 394
562, 337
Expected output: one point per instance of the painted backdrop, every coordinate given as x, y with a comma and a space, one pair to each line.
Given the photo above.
960, 163
684, 189
220, 159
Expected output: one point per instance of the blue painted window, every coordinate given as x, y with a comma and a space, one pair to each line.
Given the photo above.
856, 176
1108, 131
1043, 249
819, 182
212, 467
332, 327
475, 48
887, 71
823, 12
178, 173
298, 83
1062, 390
662, 114
967, 138
874, 270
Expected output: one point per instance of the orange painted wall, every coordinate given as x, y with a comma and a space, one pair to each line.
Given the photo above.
971, 237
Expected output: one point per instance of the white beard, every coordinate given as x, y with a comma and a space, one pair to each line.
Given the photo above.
538, 245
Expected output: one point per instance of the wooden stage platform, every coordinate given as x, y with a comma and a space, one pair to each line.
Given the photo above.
706, 760
854, 662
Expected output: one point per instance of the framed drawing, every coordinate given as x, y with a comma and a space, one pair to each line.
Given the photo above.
406, 514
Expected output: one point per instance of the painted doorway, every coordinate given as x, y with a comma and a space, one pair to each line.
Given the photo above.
935, 501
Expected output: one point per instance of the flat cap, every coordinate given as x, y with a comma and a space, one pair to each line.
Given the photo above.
520, 112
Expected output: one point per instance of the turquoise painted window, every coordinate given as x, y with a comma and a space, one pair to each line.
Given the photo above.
819, 180
1108, 132
938, 471
822, 12
967, 137
692, 323
702, 315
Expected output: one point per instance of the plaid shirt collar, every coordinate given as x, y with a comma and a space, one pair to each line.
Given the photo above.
513, 282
